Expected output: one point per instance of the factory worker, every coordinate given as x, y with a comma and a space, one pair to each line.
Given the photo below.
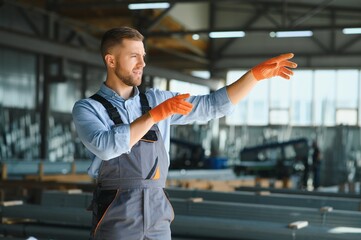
128, 135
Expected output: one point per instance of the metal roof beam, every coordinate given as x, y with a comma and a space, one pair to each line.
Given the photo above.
311, 13
159, 18
275, 3
48, 47
253, 29
249, 23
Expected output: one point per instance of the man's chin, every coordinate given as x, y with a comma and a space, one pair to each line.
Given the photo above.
138, 81
135, 83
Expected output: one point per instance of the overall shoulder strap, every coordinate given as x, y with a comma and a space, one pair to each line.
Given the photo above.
151, 135
111, 110
144, 103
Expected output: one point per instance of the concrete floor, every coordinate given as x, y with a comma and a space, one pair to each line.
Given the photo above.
185, 238
194, 238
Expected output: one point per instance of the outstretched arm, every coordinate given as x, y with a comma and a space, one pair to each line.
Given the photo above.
277, 66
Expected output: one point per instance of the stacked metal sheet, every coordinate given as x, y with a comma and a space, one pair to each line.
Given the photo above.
20, 136
201, 214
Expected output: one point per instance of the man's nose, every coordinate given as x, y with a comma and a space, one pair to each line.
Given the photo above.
141, 62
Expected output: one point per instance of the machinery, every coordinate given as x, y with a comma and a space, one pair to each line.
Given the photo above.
278, 160
186, 155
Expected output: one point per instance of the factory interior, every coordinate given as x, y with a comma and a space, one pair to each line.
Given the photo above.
285, 164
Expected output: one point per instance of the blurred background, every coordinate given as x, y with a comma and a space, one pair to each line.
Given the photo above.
296, 140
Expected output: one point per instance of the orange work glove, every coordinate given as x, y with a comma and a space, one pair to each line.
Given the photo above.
277, 66
171, 106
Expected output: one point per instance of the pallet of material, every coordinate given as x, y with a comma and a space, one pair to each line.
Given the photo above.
227, 185
45, 170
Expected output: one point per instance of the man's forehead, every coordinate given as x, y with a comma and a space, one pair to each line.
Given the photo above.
133, 44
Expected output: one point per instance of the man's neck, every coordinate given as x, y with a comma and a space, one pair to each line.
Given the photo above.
121, 89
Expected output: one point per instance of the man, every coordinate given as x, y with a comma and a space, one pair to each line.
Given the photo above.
128, 134
316, 164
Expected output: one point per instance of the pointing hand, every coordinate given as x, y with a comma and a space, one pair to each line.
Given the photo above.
277, 66
174, 105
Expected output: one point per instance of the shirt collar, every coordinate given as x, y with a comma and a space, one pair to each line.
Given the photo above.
111, 93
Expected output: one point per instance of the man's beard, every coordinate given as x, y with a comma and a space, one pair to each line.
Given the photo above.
128, 80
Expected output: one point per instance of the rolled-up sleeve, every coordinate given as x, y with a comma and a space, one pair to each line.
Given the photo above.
96, 133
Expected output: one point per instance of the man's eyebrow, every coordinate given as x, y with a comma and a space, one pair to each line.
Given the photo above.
135, 53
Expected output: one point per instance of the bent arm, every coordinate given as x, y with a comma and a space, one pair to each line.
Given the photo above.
102, 140
139, 127
107, 141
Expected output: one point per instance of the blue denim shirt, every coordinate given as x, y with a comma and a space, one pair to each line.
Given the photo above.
105, 141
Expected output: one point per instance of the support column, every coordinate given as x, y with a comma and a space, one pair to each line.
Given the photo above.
45, 112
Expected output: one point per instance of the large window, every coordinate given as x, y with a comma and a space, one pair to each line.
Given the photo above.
160, 83
279, 101
17, 79
311, 97
239, 116
324, 97
185, 87
95, 77
347, 86
63, 95
301, 105
258, 104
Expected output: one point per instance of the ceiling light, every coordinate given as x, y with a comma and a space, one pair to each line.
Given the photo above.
139, 6
195, 36
229, 34
340, 230
287, 34
351, 31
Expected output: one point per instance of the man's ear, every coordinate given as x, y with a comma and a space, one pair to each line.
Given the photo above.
110, 60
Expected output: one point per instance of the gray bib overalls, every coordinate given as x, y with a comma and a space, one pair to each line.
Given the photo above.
129, 202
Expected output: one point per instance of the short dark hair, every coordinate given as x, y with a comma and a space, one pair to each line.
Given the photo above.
115, 37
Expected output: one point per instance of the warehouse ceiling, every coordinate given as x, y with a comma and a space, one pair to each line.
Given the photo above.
178, 37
